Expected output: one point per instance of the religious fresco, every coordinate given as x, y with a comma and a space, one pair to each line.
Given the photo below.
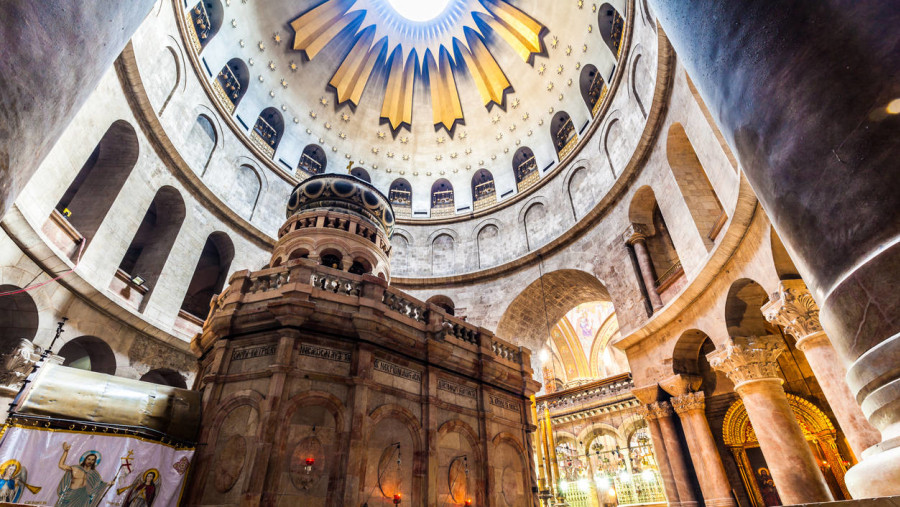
82, 469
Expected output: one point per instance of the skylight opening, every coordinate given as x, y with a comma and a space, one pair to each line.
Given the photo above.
419, 11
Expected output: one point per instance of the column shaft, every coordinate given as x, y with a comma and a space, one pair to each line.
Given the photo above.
662, 461
677, 460
707, 463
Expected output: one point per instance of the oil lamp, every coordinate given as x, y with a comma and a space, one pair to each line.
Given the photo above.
396, 498
309, 464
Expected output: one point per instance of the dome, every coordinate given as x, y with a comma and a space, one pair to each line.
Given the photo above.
340, 192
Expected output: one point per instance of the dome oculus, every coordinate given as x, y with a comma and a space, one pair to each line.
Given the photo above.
419, 10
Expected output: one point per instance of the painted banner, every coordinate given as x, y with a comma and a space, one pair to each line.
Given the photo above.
41, 466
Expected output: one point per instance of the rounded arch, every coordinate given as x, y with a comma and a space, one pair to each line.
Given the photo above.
245, 190
737, 430
443, 247
743, 309
165, 377
89, 353
19, 318
209, 275
233, 81
784, 265
202, 140
562, 132
442, 199
483, 190
314, 398
206, 20
268, 129
590, 433
313, 160
488, 243
361, 173
686, 355
612, 136
592, 86
177, 60
444, 302
612, 26
638, 77
644, 210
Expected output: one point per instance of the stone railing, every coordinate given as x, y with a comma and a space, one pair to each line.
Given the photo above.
264, 282
335, 284
505, 350
461, 332
598, 390
403, 306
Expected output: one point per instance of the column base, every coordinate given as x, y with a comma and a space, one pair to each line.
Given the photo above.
878, 474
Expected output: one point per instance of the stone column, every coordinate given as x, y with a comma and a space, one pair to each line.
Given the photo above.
750, 362
793, 308
662, 412
55, 53
662, 458
704, 454
636, 237
767, 77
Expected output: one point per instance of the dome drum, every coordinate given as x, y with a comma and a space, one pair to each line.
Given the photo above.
343, 194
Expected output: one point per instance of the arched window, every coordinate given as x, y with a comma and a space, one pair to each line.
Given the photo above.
231, 84
400, 195
149, 249
312, 160
332, 259
442, 203
89, 353
483, 192
612, 27
209, 275
18, 319
563, 134
444, 303
593, 88
201, 143
267, 131
205, 21
96, 186
359, 172
702, 201
360, 267
165, 377
525, 168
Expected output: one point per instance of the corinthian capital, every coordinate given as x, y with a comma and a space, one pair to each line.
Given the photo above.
689, 402
749, 358
659, 409
634, 233
793, 308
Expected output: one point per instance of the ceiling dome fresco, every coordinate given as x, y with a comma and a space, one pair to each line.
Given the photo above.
420, 91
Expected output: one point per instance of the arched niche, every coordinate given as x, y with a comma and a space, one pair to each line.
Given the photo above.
484, 194
612, 27
360, 173
89, 353
243, 194
19, 318
743, 309
444, 302
312, 160
210, 274
442, 201
201, 141
267, 131
165, 377
593, 87
525, 168
490, 246
205, 21
232, 83
562, 134
442, 254
645, 210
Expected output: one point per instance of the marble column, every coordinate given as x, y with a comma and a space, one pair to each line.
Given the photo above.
662, 412
661, 455
768, 75
54, 54
751, 363
636, 237
708, 466
793, 308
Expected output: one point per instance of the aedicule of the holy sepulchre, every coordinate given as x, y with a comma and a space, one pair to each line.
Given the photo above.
449, 253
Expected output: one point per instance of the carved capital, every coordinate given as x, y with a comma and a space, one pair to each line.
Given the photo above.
634, 233
659, 409
793, 308
749, 358
689, 402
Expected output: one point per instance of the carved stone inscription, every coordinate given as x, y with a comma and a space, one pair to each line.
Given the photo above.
501, 402
326, 353
253, 352
397, 370
453, 387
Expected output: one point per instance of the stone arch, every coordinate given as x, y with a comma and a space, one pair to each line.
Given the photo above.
580, 191
313, 160
244, 193
639, 75
483, 191
590, 433
385, 422
442, 254
525, 168
489, 243
235, 425
698, 193
784, 265
743, 309
19, 318
202, 140
154, 238
89, 353
470, 437
508, 471
737, 430
612, 136
401, 249
209, 275
591, 83
232, 83
176, 59
361, 173
100, 180
562, 131
444, 302
205, 21
645, 210
611, 24
165, 377
267, 131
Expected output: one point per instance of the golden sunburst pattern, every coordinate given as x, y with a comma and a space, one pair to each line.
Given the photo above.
455, 39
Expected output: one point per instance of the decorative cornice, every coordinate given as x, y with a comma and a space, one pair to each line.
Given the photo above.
634, 233
689, 402
749, 358
793, 308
